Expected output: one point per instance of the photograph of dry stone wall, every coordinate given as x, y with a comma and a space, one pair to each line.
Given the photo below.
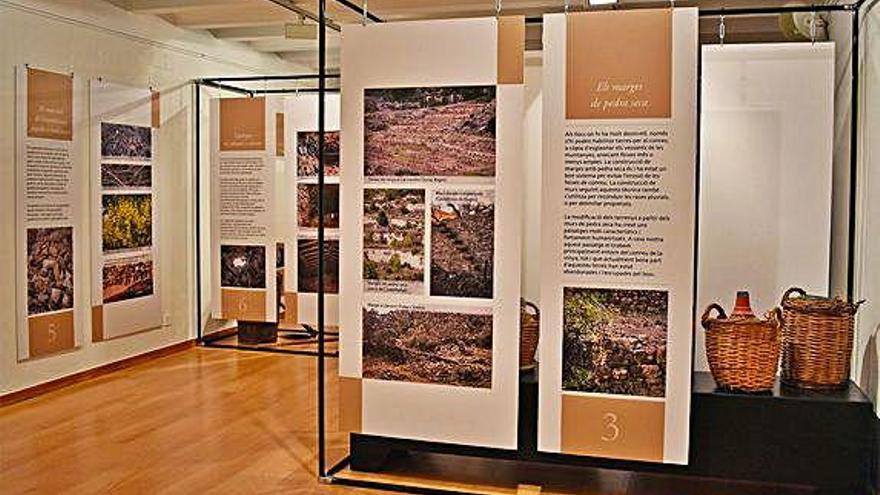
430, 131
394, 234
428, 347
127, 278
462, 243
307, 153
49, 269
126, 141
243, 266
614, 341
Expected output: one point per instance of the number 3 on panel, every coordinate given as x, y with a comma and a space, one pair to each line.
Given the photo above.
612, 429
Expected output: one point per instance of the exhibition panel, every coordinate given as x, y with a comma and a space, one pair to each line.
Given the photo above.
300, 212
50, 181
242, 221
618, 212
430, 229
126, 296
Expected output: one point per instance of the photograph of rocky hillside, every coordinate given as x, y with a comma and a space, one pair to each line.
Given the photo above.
126, 141
462, 243
307, 153
307, 205
430, 131
614, 341
394, 234
428, 347
49, 269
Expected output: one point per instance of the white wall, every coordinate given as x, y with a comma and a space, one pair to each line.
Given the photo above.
96, 39
531, 258
867, 274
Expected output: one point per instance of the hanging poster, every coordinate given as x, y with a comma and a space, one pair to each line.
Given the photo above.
431, 230
301, 240
126, 297
243, 229
49, 235
618, 233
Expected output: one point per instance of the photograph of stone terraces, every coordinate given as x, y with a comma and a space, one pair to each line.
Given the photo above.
430, 131
462, 244
614, 341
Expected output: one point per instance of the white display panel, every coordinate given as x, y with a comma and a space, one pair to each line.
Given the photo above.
51, 256
126, 297
243, 222
300, 228
414, 199
765, 168
618, 213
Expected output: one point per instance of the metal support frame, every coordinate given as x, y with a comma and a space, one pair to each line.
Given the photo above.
854, 8
238, 85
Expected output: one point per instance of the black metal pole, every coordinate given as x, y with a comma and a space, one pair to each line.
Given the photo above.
322, 83
293, 77
198, 210
853, 158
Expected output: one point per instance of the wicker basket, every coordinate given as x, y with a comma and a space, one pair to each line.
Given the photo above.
817, 340
743, 353
528, 334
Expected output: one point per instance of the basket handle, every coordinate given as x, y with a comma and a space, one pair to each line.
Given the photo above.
707, 314
776, 317
531, 306
794, 290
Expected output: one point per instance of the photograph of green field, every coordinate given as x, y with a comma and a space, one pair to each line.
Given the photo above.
614, 341
127, 221
394, 234
430, 131
439, 347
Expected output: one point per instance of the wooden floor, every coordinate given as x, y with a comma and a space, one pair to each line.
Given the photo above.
223, 421
200, 421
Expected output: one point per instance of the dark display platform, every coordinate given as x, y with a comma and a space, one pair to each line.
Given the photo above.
823, 440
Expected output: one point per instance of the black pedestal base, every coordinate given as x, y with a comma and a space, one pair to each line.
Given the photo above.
789, 436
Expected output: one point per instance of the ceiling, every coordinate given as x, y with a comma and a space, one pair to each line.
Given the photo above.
287, 27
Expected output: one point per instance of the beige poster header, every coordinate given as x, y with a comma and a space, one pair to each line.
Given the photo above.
49, 105
242, 124
619, 64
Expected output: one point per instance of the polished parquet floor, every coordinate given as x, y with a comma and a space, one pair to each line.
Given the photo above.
223, 421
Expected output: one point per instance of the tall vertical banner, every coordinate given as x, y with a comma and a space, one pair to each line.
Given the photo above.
243, 228
126, 297
618, 233
301, 213
49, 235
431, 229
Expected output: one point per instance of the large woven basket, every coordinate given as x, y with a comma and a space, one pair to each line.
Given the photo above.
529, 324
817, 340
743, 353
